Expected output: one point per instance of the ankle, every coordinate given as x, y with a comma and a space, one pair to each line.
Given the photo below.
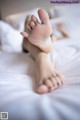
42, 56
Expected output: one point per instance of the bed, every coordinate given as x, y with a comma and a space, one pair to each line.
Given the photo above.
17, 95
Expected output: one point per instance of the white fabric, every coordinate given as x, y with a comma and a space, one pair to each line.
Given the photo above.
69, 16
10, 39
16, 87
17, 81
63, 10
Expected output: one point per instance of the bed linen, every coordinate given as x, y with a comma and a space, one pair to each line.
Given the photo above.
17, 96
10, 38
17, 81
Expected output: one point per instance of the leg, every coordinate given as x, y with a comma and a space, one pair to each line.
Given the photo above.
47, 77
63, 31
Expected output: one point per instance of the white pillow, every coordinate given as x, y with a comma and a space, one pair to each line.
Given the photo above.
17, 20
11, 40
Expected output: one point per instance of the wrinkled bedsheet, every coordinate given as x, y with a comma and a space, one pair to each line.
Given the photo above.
17, 96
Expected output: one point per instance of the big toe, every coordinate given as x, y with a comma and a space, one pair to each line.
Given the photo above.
43, 15
42, 89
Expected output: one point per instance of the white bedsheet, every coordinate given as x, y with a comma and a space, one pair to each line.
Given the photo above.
16, 87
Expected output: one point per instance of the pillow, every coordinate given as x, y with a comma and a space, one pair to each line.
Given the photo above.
11, 40
17, 20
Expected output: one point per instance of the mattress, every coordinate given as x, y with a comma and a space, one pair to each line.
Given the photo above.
17, 95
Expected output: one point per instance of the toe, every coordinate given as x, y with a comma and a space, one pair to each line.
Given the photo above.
42, 89
54, 82
32, 24
48, 84
61, 78
28, 19
58, 81
24, 34
28, 26
34, 19
43, 15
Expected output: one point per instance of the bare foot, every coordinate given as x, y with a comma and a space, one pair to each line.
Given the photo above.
39, 34
48, 79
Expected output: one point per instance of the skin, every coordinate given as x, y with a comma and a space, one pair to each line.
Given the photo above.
39, 45
39, 33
